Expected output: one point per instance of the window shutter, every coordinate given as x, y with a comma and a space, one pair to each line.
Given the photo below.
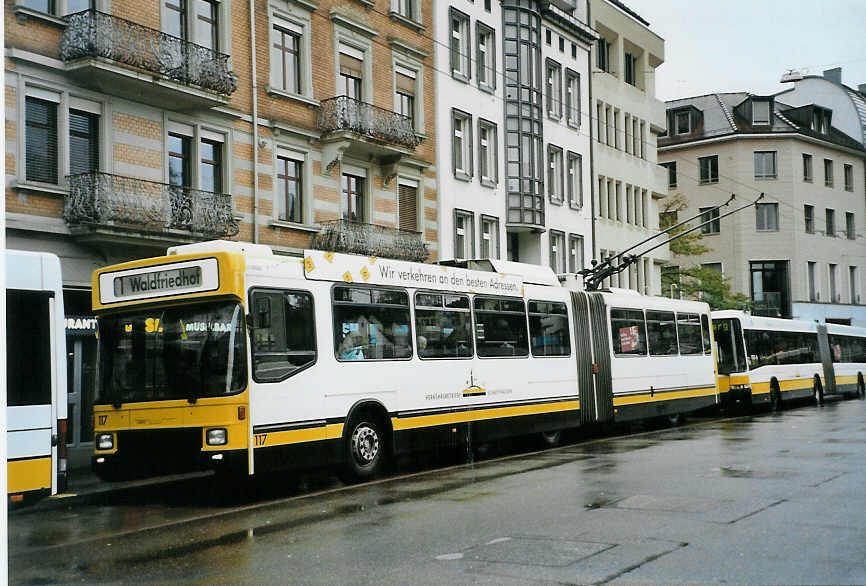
41, 131
351, 65
407, 207
405, 84
83, 142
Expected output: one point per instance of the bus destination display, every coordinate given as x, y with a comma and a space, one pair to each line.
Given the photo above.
170, 280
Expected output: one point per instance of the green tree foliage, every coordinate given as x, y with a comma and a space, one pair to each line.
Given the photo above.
695, 282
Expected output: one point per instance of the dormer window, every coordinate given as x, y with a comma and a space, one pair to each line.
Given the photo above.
682, 123
760, 112
820, 121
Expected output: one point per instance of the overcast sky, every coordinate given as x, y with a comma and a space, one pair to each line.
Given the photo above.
746, 45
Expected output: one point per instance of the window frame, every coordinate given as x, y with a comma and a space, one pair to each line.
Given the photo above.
808, 173
485, 61
251, 294
408, 306
348, 193
556, 238
524, 322
710, 179
414, 317
671, 168
574, 184
763, 156
492, 158
758, 216
688, 118
466, 151
555, 177
530, 313
711, 213
613, 351
469, 238
848, 176
460, 63
576, 262
761, 122
553, 89
828, 173
675, 330
572, 97
809, 218
830, 222
487, 220
55, 108
850, 226
299, 180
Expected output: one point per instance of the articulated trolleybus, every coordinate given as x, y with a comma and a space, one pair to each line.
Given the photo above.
770, 360
36, 401
227, 355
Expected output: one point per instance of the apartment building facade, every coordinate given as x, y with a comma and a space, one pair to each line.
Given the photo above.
514, 148
130, 127
800, 252
627, 119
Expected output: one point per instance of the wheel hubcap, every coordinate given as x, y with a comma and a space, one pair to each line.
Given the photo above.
365, 444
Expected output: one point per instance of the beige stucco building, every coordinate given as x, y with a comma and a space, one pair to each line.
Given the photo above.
801, 251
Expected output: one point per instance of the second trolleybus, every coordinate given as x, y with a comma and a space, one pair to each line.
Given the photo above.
226, 355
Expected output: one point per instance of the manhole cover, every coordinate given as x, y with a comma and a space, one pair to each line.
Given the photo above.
535, 551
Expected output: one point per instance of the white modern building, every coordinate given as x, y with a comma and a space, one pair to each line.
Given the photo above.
513, 128
627, 119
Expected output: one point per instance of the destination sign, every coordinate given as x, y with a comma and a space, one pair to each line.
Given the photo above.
329, 266
159, 281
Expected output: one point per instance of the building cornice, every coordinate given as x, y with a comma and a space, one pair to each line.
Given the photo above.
775, 135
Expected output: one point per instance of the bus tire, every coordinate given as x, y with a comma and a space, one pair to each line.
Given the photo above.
675, 419
861, 386
818, 391
366, 448
550, 439
775, 397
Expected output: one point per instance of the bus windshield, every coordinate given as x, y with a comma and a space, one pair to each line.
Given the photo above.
183, 352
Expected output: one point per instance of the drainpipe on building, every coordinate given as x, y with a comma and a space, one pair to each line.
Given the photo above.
591, 136
255, 123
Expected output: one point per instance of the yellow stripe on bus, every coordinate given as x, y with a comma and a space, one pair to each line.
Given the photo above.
25, 475
401, 423
784, 385
646, 398
268, 439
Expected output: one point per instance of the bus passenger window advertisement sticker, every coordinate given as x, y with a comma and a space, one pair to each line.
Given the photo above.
629, 338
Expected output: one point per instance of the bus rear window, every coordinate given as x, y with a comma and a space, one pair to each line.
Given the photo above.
28, 348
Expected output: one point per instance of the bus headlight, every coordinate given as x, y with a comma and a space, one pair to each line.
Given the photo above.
217, 437
105, 441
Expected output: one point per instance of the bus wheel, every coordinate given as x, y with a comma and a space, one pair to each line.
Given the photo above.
861, 386
775, 398
818, 391
674, 419
365, 449
550, 439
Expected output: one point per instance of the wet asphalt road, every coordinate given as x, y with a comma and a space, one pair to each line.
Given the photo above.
756, 499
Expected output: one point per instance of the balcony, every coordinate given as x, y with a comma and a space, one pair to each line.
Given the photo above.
370, 240
106, 208
123, 58
350, 125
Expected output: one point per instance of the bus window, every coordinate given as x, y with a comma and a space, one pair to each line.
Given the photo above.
662, 333
705, 334
500, 327
628, 332
371, 324
776, 347
443, 325
689, 333
548, 328
28, 348
284, 338
847, 348
729, 341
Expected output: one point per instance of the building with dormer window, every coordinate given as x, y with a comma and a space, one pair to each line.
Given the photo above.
801, 251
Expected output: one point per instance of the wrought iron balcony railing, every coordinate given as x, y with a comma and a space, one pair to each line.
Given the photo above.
348, 114
101, 199
370, 240
95, 34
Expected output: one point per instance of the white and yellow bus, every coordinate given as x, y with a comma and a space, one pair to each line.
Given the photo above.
36, 402
226, 355
764, 360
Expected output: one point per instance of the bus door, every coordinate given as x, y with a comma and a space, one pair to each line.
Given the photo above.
731, 357
31, 385
592, 352
826, 356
